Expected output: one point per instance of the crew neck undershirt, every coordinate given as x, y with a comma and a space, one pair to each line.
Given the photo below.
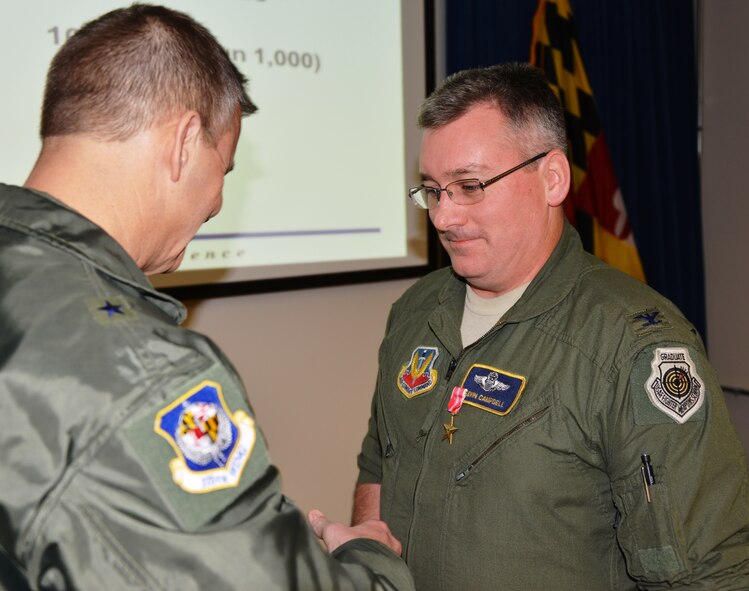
480, 314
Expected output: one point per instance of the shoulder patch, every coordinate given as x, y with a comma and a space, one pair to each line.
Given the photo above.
418, 375
674, 386
199, 445
212, 444
648, 320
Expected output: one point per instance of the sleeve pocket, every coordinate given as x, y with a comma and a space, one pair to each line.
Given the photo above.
649, 533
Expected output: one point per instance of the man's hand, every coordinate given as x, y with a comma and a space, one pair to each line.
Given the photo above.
334, 534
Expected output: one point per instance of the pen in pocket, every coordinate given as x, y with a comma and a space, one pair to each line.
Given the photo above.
648, 476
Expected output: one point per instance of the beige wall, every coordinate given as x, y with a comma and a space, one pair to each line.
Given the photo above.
724, 69
725, 200
309, 360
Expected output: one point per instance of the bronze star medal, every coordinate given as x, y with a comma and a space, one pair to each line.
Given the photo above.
450, 430
453, 406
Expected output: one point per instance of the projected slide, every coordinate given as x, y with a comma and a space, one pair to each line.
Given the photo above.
321, 169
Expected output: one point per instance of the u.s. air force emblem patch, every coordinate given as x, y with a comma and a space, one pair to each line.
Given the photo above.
211, 444
418, 375
674, 386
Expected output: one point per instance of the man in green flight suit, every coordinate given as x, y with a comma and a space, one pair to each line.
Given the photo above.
130, 456
541, 420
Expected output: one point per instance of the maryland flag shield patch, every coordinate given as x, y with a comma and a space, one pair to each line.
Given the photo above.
211, 443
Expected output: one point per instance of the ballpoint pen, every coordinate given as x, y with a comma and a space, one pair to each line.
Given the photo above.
648, 476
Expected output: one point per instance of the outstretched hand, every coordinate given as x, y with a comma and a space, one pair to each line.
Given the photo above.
334, 534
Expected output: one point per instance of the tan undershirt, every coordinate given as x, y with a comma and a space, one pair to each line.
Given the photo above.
480, 314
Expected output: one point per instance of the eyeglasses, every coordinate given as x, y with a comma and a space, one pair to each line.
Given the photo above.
462, 192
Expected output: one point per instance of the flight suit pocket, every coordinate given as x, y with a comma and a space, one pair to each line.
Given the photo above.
649, 531
486, 490
499, 432
480, 457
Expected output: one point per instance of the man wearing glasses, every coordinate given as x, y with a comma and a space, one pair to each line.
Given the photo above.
541, 420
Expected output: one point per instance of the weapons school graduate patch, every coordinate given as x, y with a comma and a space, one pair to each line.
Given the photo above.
212, 444
418, 375
674, 387
492, 389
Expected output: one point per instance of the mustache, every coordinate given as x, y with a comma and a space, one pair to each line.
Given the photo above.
453, 236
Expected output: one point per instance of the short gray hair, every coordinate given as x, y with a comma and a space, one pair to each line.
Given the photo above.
520, 91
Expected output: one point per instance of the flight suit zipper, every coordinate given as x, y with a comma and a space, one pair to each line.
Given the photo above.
448, 374
461, 475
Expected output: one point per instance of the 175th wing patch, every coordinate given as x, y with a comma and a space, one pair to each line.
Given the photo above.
674, 386
212, 444
198, 445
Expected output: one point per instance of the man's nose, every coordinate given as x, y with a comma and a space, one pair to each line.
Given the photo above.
447, 214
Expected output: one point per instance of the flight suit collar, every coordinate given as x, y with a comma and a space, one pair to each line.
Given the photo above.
41, 214
554, 281
547, 289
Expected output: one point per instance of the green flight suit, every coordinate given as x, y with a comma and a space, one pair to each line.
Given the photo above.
542, 486
130, 456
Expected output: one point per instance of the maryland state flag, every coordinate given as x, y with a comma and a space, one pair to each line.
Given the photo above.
595, 205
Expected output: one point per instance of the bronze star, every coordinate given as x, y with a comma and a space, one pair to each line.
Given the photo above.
450, 430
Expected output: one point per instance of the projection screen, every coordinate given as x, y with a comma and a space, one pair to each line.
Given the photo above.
321, 172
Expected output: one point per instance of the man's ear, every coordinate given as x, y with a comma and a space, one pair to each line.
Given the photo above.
184, 140
557, 176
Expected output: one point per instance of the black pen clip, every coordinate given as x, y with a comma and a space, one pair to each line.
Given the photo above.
648, 476
648, 469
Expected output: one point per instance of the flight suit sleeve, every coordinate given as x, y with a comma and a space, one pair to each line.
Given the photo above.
181, 494
678, 472
371, 456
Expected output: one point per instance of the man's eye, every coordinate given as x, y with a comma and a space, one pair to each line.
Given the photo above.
470, 187
432, 191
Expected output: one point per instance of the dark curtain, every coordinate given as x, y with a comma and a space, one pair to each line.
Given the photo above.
640, 56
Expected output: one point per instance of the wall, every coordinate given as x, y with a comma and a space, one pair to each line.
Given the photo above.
724, 70
725, 203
